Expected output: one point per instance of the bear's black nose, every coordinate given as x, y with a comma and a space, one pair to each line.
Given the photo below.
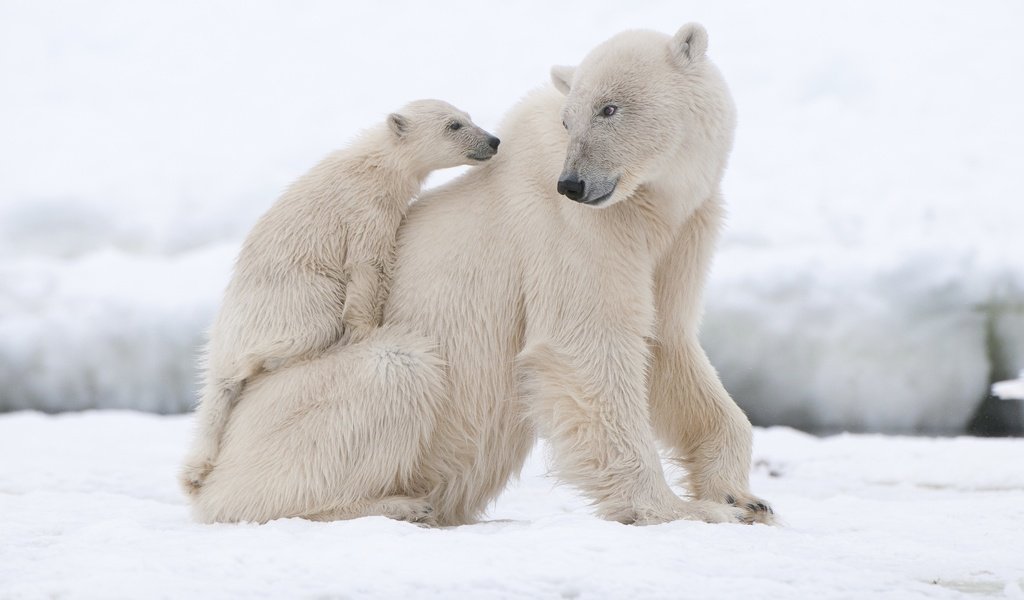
493, 142
572, 188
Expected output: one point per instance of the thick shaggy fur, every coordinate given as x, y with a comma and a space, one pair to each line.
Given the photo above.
316, 267
550, 317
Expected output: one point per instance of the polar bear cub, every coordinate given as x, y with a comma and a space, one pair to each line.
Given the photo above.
315, 269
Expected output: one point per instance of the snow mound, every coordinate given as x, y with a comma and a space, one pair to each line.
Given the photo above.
836, 340
109, 329
1010, 390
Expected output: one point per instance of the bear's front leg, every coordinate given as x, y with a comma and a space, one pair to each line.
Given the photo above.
594, 414
693, 414
690, 410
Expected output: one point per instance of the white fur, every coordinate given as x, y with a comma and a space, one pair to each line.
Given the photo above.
315, 269
550, 317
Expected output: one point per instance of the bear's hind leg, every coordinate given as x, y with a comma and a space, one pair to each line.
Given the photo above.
337, 437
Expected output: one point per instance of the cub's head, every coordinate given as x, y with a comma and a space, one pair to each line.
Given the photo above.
437, 135
640, 108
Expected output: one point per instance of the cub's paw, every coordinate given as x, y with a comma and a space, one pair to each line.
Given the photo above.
357, 333
755, 510
193, 475
412, 510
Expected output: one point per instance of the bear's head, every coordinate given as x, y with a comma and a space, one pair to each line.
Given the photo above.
435, 135
641, 109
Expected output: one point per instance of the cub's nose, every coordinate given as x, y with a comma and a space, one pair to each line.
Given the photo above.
572, 188
493, 142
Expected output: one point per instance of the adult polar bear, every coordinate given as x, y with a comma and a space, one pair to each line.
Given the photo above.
516, 312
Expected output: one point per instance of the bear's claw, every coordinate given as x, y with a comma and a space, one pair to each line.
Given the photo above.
754, 509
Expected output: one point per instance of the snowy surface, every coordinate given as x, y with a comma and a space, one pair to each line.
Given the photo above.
89, 508
871, 276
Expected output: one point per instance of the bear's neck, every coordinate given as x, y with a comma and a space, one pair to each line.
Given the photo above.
376, 150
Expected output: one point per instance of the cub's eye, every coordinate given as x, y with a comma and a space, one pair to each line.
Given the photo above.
564, 124
609, 110
454, 125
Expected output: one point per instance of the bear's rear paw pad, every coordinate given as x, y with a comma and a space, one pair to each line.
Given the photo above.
403, 508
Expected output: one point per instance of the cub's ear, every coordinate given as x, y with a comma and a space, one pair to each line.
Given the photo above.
398, 124
690, 43
561, 76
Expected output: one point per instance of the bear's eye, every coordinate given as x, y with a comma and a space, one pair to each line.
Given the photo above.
454, 125
609, 110
564, 124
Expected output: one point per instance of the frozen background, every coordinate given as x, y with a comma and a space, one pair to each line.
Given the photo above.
871, 278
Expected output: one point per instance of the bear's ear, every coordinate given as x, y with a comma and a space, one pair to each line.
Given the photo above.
561, 76
398, 124
690, 42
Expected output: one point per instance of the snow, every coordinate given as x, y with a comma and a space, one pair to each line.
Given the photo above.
1010, 390
870, 277
89, 508
109, 329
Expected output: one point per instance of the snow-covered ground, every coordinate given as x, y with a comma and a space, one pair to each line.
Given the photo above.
89, 508
871, 276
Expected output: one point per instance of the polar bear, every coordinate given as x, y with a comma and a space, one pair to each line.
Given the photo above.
315, 268
555, 292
